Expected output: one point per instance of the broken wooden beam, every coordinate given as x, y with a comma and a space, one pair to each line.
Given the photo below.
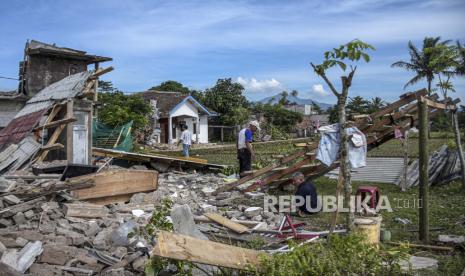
56, 123
116, 184
236, 227
186, 248
53, 147
81, 210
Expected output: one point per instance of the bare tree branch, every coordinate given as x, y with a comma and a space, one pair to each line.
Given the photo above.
328, 82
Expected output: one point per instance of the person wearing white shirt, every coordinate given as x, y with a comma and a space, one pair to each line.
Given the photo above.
186, 140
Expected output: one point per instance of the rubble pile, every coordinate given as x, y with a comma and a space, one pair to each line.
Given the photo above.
44, 231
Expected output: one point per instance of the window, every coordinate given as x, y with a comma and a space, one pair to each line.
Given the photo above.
194, 128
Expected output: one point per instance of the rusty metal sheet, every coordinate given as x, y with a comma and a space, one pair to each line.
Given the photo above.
19, 128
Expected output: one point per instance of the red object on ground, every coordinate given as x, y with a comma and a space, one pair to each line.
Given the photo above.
374, 193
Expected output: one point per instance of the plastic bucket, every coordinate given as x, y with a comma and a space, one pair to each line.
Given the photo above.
369, 228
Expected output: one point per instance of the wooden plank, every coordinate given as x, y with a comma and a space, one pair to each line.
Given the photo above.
55, 123
437, 105
236, 227
180, 247
51, 141
395, 105
117, 182
53, 147
193, 159
260, 172
53, 113
110, 199
100, 72
82, 210
69, 131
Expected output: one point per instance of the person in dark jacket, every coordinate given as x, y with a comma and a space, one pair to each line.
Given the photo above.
307, 191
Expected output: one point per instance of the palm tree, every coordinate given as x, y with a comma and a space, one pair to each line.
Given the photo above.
424, 63
445, 86
294, 93
460, 69
375, 104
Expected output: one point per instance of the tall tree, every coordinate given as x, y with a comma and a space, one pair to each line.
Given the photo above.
284, 100
294, 93
358, 105
225, 98
171, 85
424, 62
352, 52
375, 104
460, 68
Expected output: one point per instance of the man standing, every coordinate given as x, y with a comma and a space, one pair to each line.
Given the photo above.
245, 152
307, 191
186, 139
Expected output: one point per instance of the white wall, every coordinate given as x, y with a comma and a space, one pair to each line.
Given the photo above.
203, 135
187, 109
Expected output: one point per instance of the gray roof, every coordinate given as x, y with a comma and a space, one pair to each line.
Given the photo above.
35, 47
66, 88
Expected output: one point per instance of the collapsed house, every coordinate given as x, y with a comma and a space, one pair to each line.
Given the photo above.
42, 65
55, 124
173, 109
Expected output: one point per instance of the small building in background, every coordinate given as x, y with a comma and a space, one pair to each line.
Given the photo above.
42, 65
304, 109
171, 110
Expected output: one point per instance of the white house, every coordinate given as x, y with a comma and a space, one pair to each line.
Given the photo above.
173, 109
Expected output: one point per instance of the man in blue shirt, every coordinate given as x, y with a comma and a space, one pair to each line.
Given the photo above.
245, 152
307, 191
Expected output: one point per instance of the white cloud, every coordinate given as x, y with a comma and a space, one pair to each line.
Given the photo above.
319, 89
254, 85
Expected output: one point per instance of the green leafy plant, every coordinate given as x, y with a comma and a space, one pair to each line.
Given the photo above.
342, 255
157, 222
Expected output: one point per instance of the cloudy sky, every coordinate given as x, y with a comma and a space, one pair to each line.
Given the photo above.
265, 45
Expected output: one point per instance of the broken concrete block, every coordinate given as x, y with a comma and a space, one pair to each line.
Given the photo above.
11, 199
47, 206
39, 269
19, 218
255, 195
208, 191
183, 222
5, 222
29, 214
6, 185
85, 210
93, 229
23, 259
2, 248
21, 242
253, 211
139, 263
208, 208
233, 214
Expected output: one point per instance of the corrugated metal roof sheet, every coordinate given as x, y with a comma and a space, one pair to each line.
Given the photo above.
19, 128
19, 154
380, 170
66, 88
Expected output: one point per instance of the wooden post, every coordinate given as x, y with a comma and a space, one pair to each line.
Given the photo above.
96, 67
455, 123
69, 132
423, 173
405, 168
170, 130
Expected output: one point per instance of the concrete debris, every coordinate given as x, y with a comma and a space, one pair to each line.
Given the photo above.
45, 231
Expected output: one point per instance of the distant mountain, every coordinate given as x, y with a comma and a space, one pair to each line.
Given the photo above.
275, 99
